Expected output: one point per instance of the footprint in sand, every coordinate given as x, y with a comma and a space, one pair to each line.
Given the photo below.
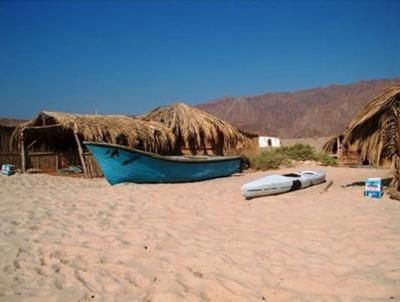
58, 282
196, 273
34, 228
7, 269
16, 264
42, 261
56, 268
59, 256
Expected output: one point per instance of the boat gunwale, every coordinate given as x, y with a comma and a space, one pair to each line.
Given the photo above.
165, 158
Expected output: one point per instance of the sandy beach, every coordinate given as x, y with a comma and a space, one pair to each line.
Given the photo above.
70, 239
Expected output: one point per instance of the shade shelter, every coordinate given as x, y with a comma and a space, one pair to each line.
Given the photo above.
198, 132
374, 135
57, 137
374, 131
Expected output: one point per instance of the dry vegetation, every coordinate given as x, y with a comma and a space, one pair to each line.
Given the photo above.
198, 130
374, 130
375, 133
285, 156
315, 142
124, 130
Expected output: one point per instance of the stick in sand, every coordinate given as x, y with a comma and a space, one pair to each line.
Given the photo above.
328, 185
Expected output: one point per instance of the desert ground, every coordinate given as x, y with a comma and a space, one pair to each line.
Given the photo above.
70, 239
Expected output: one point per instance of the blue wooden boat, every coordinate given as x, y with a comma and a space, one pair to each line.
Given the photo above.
122, 164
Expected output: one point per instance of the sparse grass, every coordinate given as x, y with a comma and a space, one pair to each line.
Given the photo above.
283, 156
325, 159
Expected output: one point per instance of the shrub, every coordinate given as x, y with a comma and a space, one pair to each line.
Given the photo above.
274, 158
298, 152
326, 160
268, 160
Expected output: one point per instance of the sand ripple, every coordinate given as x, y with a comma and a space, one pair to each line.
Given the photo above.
67, 239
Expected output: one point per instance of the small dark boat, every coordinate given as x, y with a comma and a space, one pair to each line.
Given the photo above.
122, 164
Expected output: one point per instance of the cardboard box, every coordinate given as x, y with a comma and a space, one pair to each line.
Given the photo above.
7, 169
373, 194
373, 187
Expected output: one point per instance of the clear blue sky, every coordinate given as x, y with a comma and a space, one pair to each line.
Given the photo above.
130, 56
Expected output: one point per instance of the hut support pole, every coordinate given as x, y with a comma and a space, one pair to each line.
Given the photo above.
23, 159
80, 150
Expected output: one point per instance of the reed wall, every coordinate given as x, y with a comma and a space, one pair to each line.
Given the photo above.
50, 161
5, 135
10, 158
93, 170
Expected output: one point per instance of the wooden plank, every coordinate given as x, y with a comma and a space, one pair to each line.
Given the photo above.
10, 154
42, 127
23, 159
78, 142
31, 144
328, 185
93, 168
41, 153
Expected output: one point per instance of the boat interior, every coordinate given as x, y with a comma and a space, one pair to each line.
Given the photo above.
292, 175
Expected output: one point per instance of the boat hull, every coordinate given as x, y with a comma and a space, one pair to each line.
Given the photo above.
121, 164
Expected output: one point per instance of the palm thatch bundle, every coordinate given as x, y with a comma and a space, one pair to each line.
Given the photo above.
198, 130
333, 145
118, 129
374, 131
330, 145
394, 189
10, 122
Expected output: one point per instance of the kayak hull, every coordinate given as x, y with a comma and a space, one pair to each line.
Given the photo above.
277, 184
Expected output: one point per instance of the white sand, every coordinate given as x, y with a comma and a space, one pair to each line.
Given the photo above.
67, 239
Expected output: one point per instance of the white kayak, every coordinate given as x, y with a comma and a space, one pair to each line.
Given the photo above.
275, 184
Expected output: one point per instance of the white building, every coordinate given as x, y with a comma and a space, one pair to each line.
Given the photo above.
268, 142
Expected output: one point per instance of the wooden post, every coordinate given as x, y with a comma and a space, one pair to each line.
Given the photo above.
23, 159
324, 190
56, 161
80, 150
338, 148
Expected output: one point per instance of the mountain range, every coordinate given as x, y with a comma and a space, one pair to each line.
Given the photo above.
317, 112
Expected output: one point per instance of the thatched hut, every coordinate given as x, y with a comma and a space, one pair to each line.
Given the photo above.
53, 140
198, 132
374, 135
374, 131
8, 154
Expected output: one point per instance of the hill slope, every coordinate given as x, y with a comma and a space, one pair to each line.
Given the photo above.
308, 113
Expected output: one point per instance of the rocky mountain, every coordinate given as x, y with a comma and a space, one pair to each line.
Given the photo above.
315, 112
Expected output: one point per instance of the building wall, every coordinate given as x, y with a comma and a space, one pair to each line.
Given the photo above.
268, 142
